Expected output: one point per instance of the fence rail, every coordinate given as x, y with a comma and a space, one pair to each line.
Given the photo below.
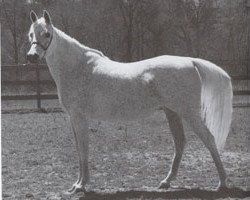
20, 82
38, 83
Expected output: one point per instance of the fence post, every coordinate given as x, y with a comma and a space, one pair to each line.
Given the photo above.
38, 90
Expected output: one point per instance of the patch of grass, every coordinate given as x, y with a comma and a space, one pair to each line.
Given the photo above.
39, 158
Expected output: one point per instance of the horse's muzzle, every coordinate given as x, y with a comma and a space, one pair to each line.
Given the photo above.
33, 58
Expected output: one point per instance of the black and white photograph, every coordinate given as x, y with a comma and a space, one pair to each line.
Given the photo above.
125, 99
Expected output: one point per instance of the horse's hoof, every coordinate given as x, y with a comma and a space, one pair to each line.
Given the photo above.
76, 189
71, 190
222, 189
80, 189
164, 185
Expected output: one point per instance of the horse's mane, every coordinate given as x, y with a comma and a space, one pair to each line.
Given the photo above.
74, 41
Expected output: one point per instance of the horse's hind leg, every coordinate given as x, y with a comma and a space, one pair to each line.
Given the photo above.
208, 139
176, 128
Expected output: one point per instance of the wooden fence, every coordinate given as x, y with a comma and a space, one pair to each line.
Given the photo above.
38, 83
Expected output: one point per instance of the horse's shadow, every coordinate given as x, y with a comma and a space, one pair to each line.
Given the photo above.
177, 193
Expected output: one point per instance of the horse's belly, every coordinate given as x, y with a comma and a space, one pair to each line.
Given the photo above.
121, 107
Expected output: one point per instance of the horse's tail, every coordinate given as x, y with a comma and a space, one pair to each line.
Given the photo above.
216, 100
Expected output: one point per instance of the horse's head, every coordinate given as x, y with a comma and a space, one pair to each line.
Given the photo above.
40, 36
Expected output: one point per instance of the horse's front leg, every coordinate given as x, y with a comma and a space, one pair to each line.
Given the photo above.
80, 128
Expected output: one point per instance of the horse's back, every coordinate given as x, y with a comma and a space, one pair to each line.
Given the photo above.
135, 69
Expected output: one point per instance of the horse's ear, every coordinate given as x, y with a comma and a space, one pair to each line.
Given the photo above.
46, 17
33, 16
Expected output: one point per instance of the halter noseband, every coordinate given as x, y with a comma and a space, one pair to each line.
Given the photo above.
43, 47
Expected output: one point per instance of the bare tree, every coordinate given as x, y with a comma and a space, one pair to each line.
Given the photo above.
128, 10
130, 30
15, 20
137, 17
195, 21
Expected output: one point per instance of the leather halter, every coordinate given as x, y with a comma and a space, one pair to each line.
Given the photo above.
41, 45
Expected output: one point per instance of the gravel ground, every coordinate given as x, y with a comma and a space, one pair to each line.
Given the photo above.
39, 160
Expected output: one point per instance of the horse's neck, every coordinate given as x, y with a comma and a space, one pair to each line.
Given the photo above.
66, 55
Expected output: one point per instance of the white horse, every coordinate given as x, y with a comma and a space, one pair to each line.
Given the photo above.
90, 85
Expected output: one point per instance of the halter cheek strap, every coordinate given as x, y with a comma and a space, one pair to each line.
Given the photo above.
41, 45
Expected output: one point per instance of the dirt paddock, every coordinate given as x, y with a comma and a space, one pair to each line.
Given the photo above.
39, 159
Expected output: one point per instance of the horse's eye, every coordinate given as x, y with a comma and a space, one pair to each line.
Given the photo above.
31, 35
47, 35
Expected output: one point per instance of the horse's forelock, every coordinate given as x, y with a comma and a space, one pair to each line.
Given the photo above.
38, 25
41, 21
